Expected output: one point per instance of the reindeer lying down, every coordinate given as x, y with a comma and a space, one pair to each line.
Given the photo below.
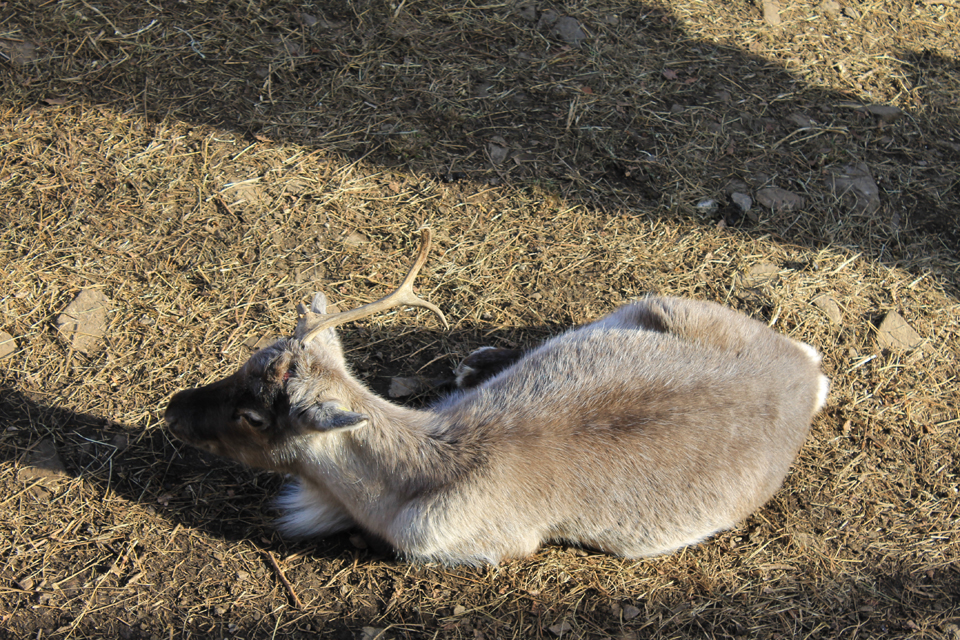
645, 431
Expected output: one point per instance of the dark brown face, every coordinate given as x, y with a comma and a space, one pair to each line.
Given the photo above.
243, 416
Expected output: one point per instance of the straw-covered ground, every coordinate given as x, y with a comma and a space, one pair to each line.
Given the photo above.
199, 168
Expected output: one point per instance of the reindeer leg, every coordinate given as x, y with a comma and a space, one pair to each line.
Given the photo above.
310, 510
483, 364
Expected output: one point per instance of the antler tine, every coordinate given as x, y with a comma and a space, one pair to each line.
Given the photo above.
312, 323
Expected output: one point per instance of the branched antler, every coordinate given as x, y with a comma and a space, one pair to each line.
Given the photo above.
312, 323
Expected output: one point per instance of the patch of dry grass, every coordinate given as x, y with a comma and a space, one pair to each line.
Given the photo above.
208, 166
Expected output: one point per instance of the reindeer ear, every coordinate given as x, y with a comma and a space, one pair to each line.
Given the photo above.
319, 303
330, 416
318, 306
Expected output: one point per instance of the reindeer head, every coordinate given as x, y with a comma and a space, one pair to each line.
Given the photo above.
288, 392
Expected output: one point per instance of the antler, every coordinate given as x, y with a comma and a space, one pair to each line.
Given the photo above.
311, 323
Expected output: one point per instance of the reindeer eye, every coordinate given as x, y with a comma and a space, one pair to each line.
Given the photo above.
253, 418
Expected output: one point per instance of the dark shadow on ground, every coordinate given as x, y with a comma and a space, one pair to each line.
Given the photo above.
638, 116
177, 483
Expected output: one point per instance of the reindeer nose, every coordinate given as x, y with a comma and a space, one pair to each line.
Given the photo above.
172, 416
172, 420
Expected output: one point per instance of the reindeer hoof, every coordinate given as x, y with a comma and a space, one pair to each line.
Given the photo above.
483, 364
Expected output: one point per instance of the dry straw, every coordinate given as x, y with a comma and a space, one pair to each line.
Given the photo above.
209, 166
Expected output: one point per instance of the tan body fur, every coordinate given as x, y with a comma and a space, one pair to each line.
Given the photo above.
648, 430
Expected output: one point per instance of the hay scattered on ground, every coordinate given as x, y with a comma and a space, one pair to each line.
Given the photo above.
208, 166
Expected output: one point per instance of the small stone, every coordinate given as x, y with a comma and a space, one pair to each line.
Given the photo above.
779, 199
373, 633
527, 11
355, 239
831, 7
734, 186
403, 387
547, 19
43, 463
7, 344
708, 205
760, 274
459, 610
894, 333
855, 186
830, 308
771, 12
120, 441
70, 587
742, 200
885, 113
561, 628
297, 186
19, 52
758, 180
568, 30
498, 153
801, 121
311, 273
84, 322
630, 612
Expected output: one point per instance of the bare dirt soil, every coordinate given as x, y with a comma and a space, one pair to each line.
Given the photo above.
204, 166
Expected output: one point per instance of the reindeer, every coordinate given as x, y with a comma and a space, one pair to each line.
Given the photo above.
645, 431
